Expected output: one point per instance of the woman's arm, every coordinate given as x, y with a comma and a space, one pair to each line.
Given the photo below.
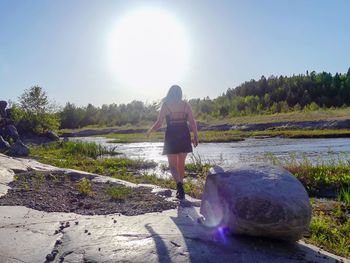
193, 124
159, 121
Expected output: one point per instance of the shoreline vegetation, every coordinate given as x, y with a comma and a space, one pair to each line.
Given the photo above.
230, 136
330, 225
322, 123
331, 114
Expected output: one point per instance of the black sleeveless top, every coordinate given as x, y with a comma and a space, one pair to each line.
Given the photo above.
177, 135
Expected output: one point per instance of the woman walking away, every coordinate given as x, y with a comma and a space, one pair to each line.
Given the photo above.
177, 142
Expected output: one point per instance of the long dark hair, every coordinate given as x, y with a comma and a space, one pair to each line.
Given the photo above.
174, 94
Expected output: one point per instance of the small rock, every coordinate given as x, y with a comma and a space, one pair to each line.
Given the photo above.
86, 231
58, 242
52, 136
162, 192
50, 257
89, 234
4, 145
67, 224
99, 249
77, 222
19, 149
114, 221
56, 232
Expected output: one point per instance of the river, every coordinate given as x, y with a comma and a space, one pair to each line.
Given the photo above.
231, 153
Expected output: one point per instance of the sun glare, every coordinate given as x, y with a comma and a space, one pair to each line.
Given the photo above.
149, 50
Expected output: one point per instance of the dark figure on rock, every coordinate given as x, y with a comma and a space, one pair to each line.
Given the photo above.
9, 134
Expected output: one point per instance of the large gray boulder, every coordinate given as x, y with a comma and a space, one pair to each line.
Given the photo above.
257, 200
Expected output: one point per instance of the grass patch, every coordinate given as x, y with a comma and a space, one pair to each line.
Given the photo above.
344, 196
322, 177
67, 155
75, 148
331, 230
118, 192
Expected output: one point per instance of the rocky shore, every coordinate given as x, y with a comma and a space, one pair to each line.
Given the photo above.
174, 235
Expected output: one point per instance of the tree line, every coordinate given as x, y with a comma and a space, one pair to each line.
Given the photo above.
274, 94
308, 91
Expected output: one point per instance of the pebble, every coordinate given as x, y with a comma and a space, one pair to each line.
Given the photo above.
77, 222
50, 257
86, 231
115, 221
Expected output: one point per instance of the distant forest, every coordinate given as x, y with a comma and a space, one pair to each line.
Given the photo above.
305, 92
274, 94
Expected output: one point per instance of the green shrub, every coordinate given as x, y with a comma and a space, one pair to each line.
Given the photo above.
118, 192
330, 232
85, 187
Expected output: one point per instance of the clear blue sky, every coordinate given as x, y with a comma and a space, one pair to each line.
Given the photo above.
60, 45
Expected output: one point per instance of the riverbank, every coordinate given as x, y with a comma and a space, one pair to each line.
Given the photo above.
230, 132
300, 122
232, 135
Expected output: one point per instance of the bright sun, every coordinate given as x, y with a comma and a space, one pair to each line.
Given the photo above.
149, 50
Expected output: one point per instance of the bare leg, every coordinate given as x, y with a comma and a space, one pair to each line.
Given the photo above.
181, 165
172, 159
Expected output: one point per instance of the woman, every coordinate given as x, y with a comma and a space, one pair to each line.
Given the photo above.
177, 142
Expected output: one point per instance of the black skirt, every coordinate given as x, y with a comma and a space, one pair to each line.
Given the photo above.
177, 139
